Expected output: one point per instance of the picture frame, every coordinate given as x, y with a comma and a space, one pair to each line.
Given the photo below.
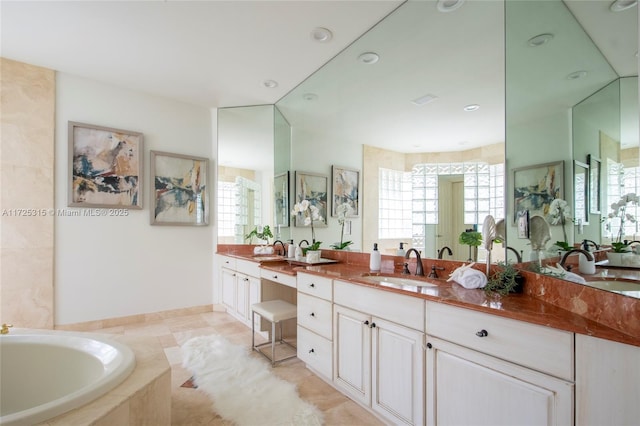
581, 175
534, 187
345, 189
595, 170
179, 193
281, 200
105, 167
314, 188
523, 224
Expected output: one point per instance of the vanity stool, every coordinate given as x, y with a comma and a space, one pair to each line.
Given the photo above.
274, 311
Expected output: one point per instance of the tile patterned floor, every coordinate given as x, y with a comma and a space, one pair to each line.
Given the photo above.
191, 407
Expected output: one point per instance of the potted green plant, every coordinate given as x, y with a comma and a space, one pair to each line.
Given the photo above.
342, 209
262, 233
312, 252
473, 239
506, 279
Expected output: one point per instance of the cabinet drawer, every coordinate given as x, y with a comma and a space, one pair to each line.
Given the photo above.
227, 262
316, 286
288, 280
248, 267
315, 351
315, 314
401, 309
540, 348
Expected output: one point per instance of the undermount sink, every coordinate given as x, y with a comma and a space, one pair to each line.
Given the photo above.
269, 258
615, 285
390, 280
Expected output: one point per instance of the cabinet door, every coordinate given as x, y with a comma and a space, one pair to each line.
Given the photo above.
607, 382
242, 296
228, 279
397, 372
466, 387
254, 297
352, 353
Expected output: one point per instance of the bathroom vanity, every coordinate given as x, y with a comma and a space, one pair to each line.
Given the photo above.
436, 353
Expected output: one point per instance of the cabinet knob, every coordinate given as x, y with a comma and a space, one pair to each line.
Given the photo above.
429, 346
313, 314
373, 325
246, 279
275, 277
311, 351
482, 333
366, 322
312, 285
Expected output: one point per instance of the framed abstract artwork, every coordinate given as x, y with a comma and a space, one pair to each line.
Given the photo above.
313, 188
105, 167
345, 190
535, 187
180, 189
281, 199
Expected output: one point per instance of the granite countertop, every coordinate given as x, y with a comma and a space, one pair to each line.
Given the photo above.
546, 301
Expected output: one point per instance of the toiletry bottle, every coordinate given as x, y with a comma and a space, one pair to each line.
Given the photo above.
401, 251
291, 250
375, 259
586, 266
298, 252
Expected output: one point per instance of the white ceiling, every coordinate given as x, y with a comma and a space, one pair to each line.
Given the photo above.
218, 53
210, 53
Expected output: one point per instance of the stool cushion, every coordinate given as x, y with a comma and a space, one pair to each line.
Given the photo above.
275, 310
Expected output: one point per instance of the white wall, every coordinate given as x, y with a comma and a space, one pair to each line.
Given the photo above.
107, 267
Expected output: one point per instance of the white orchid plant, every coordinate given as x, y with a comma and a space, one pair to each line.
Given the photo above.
619, 210
310, 213
559, 212
342, 210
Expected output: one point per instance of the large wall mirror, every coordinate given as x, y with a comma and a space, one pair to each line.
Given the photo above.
392, 106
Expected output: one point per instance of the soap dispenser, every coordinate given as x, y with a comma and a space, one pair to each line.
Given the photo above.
375, 259
291, 250
298, 252
401, 251
586, 266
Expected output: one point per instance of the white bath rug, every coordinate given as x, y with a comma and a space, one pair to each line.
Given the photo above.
242, 388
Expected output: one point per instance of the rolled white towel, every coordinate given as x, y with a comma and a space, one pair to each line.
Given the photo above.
468, 277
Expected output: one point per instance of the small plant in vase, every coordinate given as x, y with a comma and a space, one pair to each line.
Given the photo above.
473, 239
559, 213
342, 210
505, 280
310, 213
262, 233
619, 211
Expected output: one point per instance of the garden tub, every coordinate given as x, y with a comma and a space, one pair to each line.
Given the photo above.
46, 373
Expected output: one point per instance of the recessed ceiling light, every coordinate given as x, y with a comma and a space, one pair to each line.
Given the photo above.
471, 107
576, 75
321, 35
369, 58
270, 84
309, 96
423, 100
449, 5
620, 5
540, 40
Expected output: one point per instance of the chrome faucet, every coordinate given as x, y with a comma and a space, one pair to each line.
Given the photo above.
284, 249
419, 270
518, 255
587, 254
442, 251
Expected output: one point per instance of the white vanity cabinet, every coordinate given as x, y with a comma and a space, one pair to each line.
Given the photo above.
483, 369
240, 286
607, 382
315, 323
378, 351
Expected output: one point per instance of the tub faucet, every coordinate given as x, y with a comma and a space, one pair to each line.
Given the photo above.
518, 255
587, 254
284, 249
419, 270
5, 328
440, 253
